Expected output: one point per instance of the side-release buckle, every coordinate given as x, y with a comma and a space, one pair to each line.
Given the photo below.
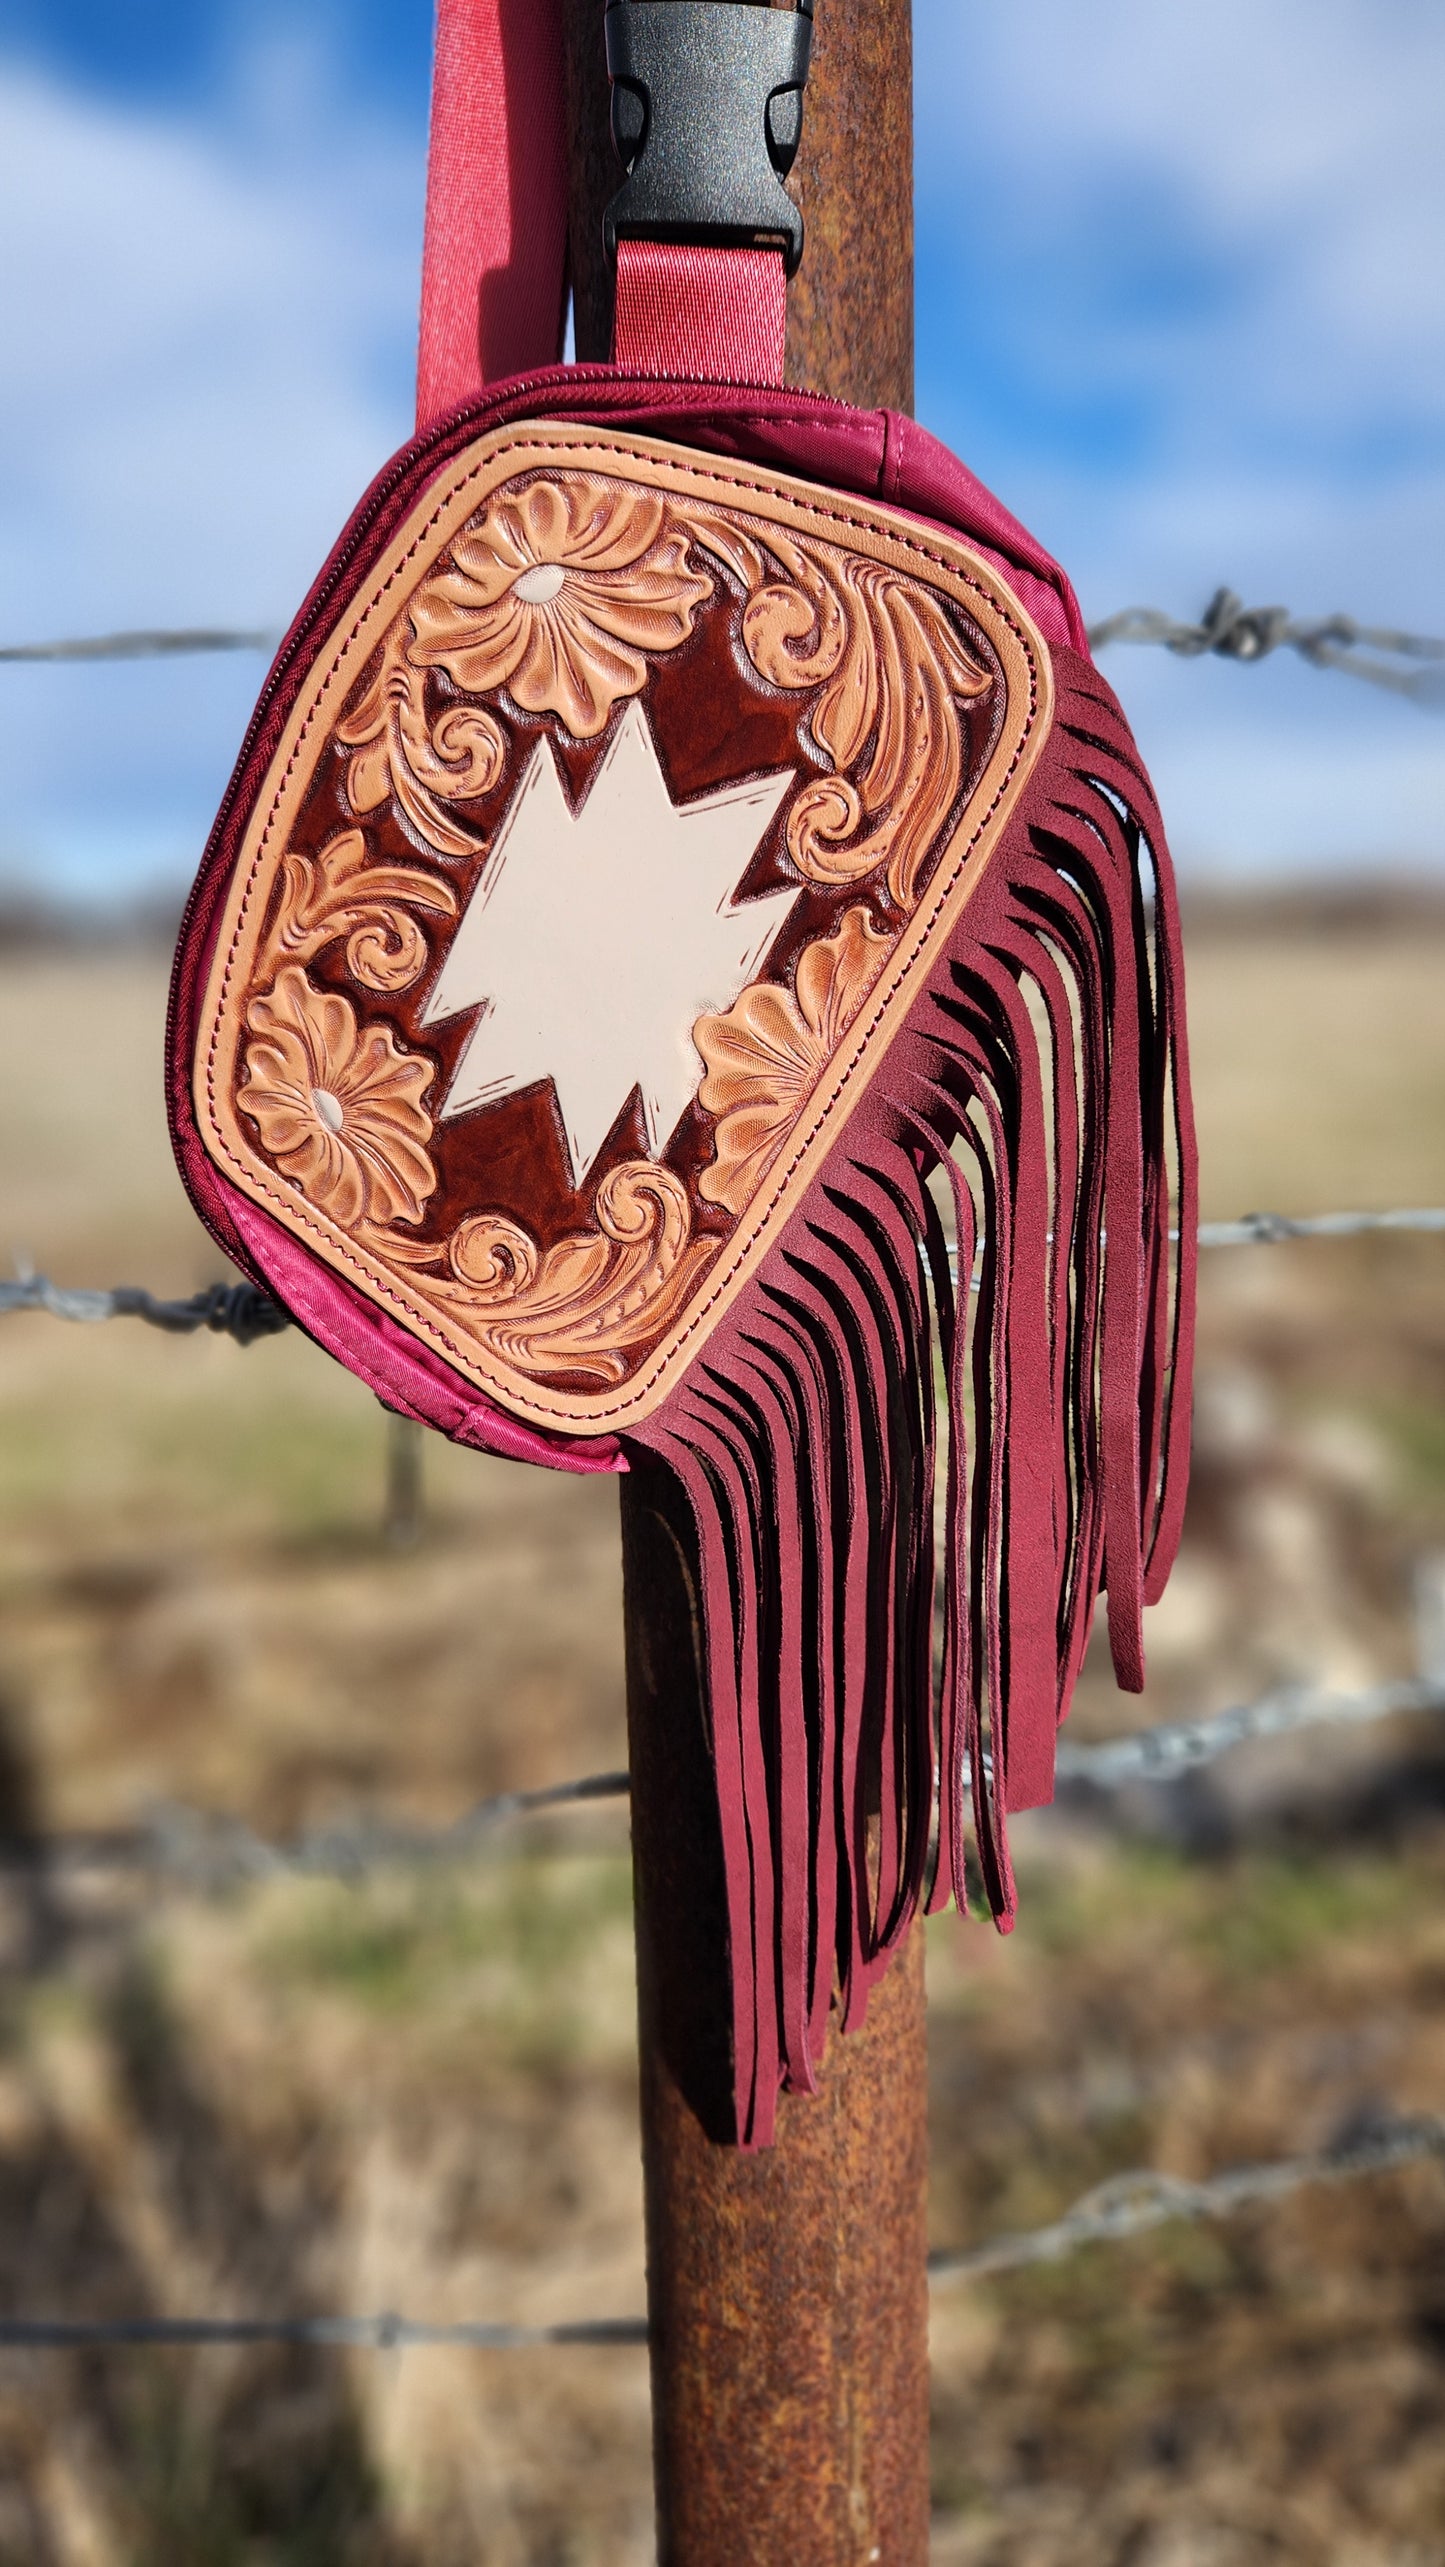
707, 114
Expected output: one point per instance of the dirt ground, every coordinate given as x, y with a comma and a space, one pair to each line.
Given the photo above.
418, 2092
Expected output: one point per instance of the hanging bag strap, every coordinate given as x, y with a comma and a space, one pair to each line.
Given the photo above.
494, 259
707, 101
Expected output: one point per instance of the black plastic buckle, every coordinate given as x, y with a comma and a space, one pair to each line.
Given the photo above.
707, 115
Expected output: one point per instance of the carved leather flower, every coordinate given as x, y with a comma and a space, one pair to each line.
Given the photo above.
558, 592
338, 1104
767, 1052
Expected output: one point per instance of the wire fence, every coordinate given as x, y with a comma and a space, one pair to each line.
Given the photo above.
1271, 1229
1126, 2206
1411, 664
1174, 1748
387, 2333
213, 1852
246, 1313
210, 1853
207, 1852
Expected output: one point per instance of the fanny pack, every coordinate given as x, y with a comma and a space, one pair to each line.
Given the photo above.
687, 962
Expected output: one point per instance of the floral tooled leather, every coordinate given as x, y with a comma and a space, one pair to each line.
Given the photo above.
766, 1055
563, 593
876, 677
337, 1104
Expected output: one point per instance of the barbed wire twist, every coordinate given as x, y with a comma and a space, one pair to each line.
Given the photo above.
239, 1310
1271, 1229
1161, 1754
1228, 629
1127, 2205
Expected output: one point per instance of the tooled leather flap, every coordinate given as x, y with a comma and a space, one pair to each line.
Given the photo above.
601, 856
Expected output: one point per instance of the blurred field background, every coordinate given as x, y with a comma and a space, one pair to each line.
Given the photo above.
1176, 303
419, 2092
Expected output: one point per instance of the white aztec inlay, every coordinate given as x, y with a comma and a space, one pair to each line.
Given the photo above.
596, 938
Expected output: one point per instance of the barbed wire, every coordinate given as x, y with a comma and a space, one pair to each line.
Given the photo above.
246, 1313
1268, 1229
239, 1310
216, 1850
1233, 631
1161, 1754
386, 2333
210, 1853
146, 645
1228, 629
1125, 2206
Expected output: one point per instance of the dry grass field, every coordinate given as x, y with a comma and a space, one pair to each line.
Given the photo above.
418, 2092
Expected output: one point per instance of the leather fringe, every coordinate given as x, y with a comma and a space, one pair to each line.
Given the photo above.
1040, 1090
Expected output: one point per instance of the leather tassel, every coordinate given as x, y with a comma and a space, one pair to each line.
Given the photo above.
1041, 1082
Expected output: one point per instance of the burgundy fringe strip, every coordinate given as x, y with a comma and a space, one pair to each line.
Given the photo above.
1040, 1088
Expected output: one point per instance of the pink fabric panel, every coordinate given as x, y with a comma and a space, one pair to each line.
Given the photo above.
877, 452
691, 311
401, 1371
920, 474
494, 264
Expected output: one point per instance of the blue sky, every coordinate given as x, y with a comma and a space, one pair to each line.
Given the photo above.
1181, 300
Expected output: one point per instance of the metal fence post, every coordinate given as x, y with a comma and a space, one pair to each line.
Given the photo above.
787, 2291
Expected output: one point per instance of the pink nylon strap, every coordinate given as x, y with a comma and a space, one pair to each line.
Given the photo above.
494, 264
711, 314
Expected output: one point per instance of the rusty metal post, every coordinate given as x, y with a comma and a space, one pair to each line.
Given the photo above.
787, 2290
850, 308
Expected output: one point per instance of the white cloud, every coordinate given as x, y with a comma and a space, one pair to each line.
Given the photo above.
1209, 282
207, 340
198, 340
1302, 139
